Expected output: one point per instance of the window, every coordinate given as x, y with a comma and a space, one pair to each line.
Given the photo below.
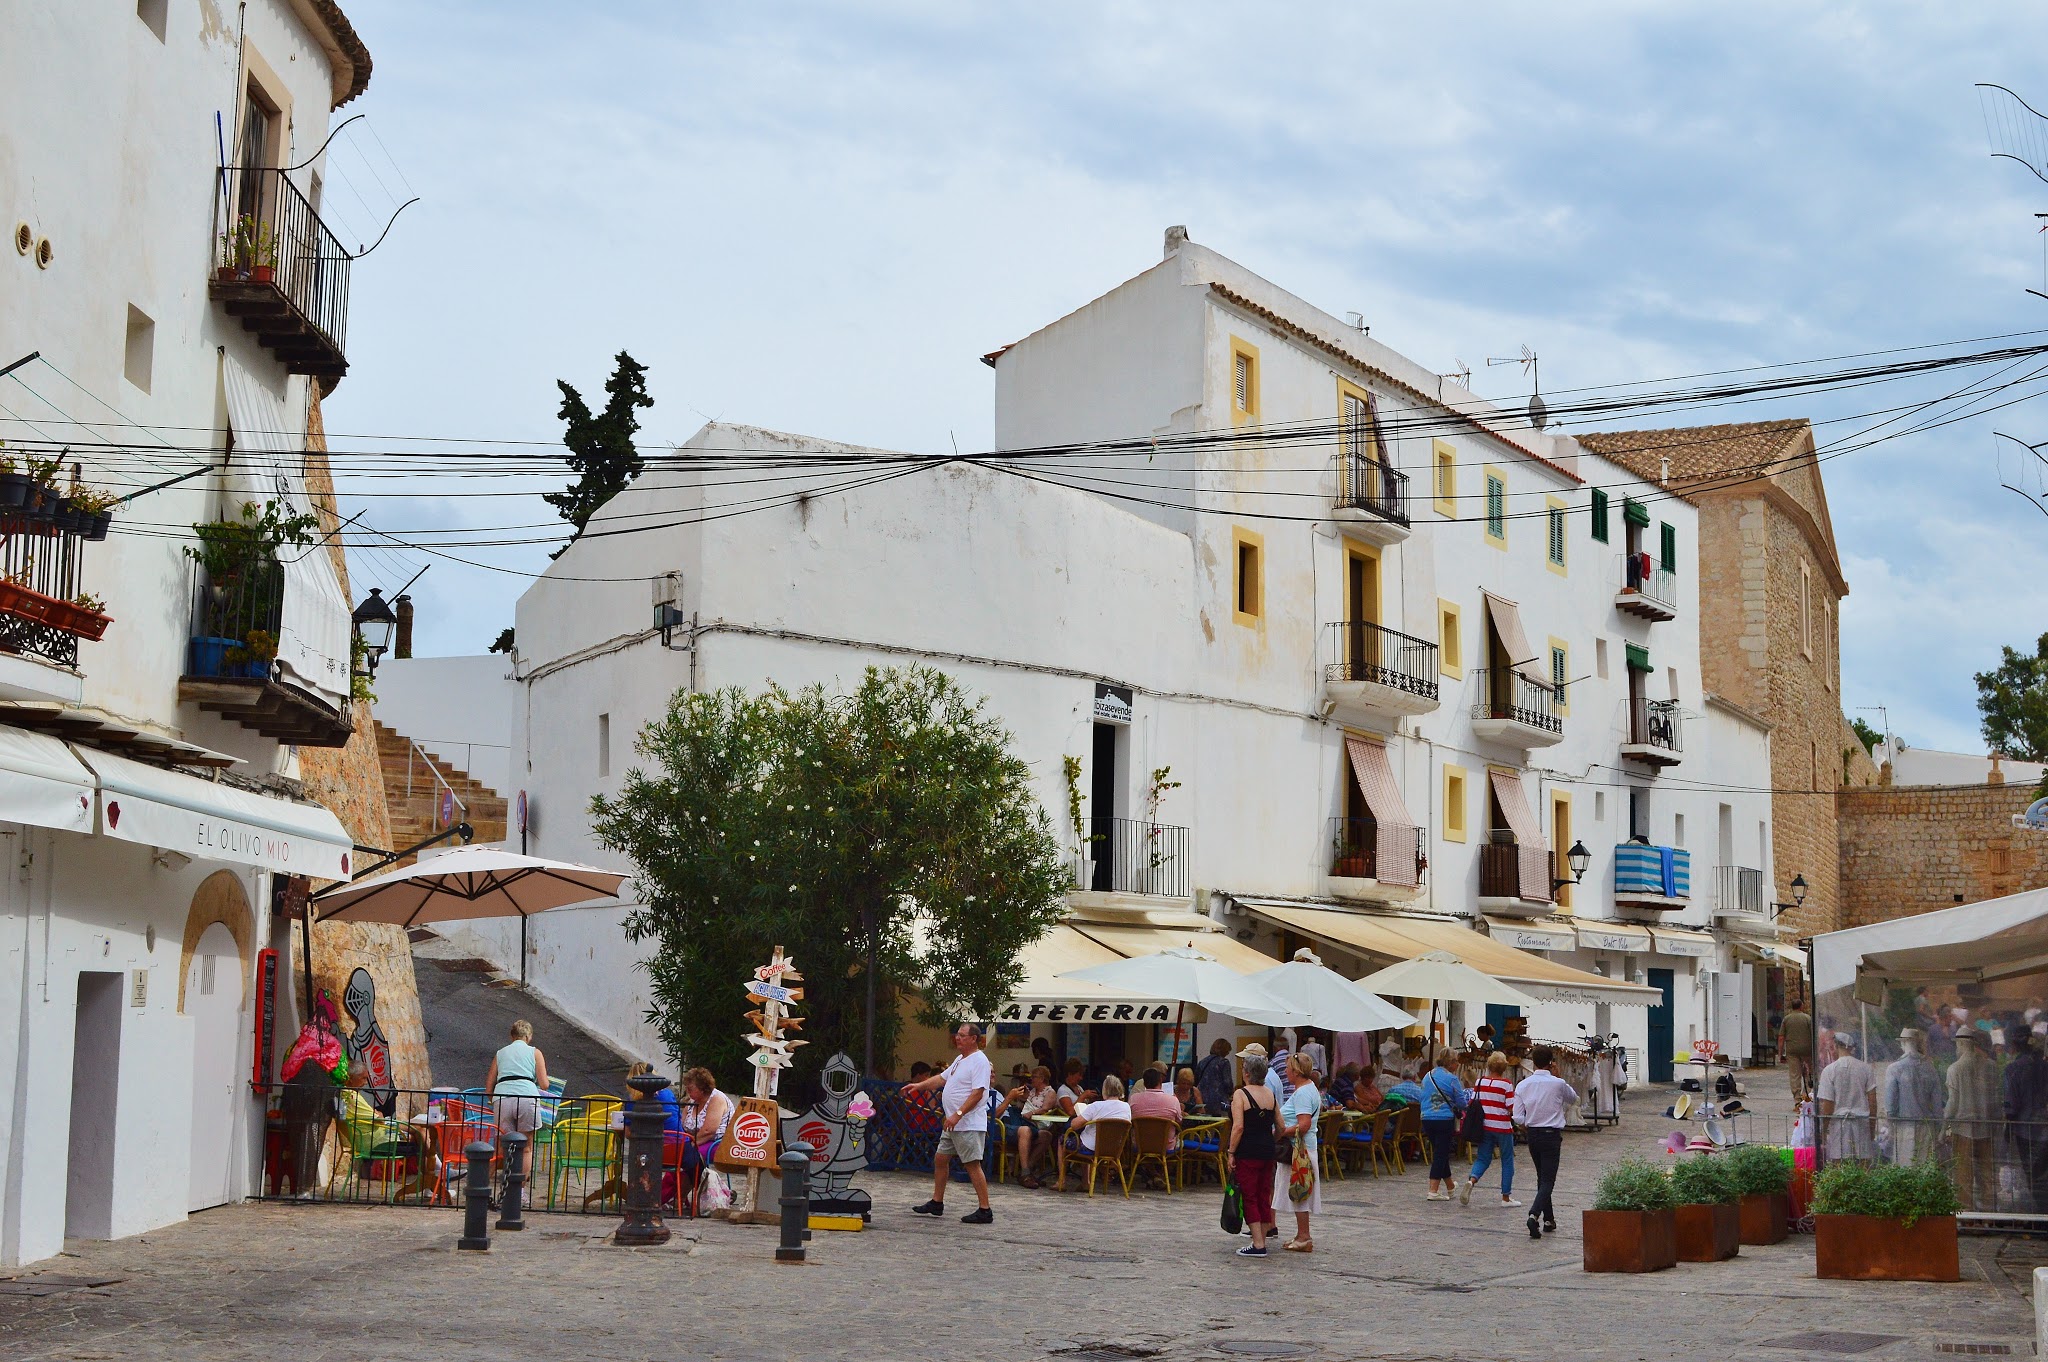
1678, 830
1599, 806
1638, 813
1454, 803
604, 746
1827, 632
1244, 382
1248, 595
1805, 608
141, 352
1450, 647
1561, 674
1354, 410
153, 13
1554, 518
1667, 547
1446, 489
1600, 658
1600, 515
1671, 680
1496, 508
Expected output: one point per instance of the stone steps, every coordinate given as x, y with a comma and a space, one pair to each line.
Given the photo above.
416, 816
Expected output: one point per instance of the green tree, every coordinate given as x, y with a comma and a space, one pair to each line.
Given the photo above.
601, 451
809, 820
1866, 735
2013, 701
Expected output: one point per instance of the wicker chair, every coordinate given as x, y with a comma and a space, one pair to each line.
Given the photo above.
1110, 1137
1152, 1142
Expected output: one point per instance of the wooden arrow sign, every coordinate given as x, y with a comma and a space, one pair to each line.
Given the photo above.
774, 993
769, 1059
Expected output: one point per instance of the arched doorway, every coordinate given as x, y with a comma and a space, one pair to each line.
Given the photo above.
212, 993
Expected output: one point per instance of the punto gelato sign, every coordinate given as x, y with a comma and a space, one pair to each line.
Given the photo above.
1086, 1012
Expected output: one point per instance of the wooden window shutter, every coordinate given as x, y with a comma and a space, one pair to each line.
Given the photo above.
1668, 545
1638, 658
1496, 508
1241, 377
1557, 535
1600, 515
1635, 512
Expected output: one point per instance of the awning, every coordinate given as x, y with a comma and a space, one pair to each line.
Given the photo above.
42, 783
1613, 936
1532, 936
1532, 855
1672, 941
1836, 955
1404, 938
1507, 624
1772, 953
1394, 854
213, 822
1221, 947
1042, 996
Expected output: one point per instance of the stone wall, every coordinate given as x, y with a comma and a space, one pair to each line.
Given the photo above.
350, 782
1908, 849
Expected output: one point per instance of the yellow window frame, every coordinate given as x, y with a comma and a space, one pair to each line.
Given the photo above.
1558, 514
1240, 540
1556, 646
1450, 642
1247, 413
1456, 813
1443, 478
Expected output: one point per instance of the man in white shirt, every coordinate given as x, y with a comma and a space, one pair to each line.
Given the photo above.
965, 1105
1541, 1101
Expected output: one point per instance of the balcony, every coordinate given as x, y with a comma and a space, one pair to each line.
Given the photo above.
1515, 710
1739, 900
1372, 498
1127, 857
1651, 877
1515, 880
1656, 733
280, 272
1378, 672
1356, 847
1647, 592
43, 615
232, 669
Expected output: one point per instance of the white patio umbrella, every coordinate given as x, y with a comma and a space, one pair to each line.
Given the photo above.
1183, 975
1327, 999
1443, 978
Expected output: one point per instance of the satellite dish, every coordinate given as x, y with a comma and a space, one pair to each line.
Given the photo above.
1539, 415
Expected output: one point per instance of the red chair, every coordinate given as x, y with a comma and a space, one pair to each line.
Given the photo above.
462, 1124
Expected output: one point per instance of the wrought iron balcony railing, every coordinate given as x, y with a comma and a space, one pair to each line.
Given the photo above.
1135, 857
280, 270
1507, 694
1368, 652
1355, 851
1364, 483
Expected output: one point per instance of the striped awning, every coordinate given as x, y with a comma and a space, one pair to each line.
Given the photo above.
1507, 626
1532, 860
1394, 856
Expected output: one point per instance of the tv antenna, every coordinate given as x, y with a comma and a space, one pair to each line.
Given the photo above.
1539, 415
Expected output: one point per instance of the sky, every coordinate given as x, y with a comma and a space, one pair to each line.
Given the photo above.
815, 217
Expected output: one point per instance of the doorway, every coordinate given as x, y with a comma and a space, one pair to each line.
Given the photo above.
1102, 802
213, 1000
95, 1093
1361, 613
1661, 1034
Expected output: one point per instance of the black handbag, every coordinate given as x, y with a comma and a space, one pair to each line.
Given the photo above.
1472, 1126
1233, 1207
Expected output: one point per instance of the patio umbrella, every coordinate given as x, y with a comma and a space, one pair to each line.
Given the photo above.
1327, 999
1442, 977
1183, 975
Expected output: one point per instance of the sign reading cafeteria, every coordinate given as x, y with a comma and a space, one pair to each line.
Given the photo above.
1086, 1012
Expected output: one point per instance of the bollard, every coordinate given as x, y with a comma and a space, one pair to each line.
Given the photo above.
645, 1138
796, 1202
476, 1198
515, 1182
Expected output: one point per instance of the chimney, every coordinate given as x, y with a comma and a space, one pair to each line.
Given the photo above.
402, 645
1176, 237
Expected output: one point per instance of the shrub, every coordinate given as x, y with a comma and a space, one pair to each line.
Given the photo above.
1634, 1185
1905, 1192
1702, 1180
1757, 1170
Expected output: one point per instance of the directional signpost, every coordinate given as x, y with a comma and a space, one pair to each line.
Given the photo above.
774, 989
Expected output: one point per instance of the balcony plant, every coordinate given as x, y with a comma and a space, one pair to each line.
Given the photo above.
239, 556
96, 508
1631, 1227
1895, 1224
42, 497
84, 615
1708, 1223
1084, 860
254, 654
1762, 1180
14, 484
249, 251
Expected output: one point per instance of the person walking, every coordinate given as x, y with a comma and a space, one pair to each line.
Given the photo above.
1539, 1105
1443, 1097
1252, 1154
1212, 1076
1795, 1047
964, 1102
1495, 1095
1972, 1115
1298, 1117
517, 1077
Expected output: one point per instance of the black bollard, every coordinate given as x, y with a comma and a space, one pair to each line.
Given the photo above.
509, 1216
796, 1202
645, 1130
476, 1198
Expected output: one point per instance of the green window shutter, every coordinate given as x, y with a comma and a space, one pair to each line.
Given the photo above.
1496, 508
1600, 515
1558, 679
1668, 535
1635, 512
1556, 520
1638, 658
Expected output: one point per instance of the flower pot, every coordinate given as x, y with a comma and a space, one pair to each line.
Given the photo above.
24, 603
224, 273
209, 656
1629, 1241
14, 489
67, 518
1351, 868
1707, 1234
87, 624
1869, 1248
261, 274
1765, 1217
97, 524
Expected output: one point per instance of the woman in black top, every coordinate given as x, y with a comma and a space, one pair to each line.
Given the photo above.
1253, 1120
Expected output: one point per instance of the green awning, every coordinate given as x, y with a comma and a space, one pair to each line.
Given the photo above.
1638, 658
1635, 512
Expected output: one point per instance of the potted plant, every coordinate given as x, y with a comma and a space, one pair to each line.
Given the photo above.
253, 655
1631, 1227
95, 507
14, 484
40, 501
84, 615
1084, 861
1893, 1224
1708, 1223
1761, 1179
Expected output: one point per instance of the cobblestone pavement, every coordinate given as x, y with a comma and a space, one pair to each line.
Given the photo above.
1393, 1277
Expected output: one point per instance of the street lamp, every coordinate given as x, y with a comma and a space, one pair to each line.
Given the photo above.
1798, 895
374, 624
1578, 858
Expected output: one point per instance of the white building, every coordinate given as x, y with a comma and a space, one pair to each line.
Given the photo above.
1380, 633
148, 803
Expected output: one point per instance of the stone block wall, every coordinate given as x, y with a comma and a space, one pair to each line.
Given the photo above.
1908, 849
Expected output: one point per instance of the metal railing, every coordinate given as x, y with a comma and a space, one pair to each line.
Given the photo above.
235, 623
1739, 889
1135, 857
1500, 872
1657, 584
38, 576
1355, 850
1364, 483
1656, 723
1999, 1167
1507, 694
415, 754
1368, 652
267, 232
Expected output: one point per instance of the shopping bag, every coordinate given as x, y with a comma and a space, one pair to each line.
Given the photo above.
1233, 1207
717, 1192
1301, 1174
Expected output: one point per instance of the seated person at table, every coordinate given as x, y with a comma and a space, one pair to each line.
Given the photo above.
1111, 1107
920, 1108
1366, 1095
1343, 1087
1038, 1097
672, 1107
1190, 1096
1152, 1099
1074, 1090
1407, 1092
706, 1115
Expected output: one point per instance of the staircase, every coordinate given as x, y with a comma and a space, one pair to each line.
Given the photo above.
414, 782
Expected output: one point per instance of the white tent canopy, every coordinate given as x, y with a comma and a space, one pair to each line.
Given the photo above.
1976, 942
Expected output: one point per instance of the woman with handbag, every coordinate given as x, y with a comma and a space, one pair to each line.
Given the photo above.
1443, 1099
1303, 1190
1253, 1116
1490, 1130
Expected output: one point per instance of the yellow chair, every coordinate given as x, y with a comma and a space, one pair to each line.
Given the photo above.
574, 1146
1151, 1142
1330, 1153
1110, 1137
371, 1142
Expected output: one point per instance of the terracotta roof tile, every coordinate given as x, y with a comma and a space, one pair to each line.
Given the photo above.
1697, 453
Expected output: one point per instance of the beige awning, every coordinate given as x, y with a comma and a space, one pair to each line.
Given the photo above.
1532, 853
1394, 854
1395, 937
1507, 624
1527, 935
1673, 941
1042, 996
1221, 947
1772, 953
1613, 936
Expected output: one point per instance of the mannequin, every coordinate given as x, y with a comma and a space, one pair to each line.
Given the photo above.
1973, 1111
1913, 1096
1845, 1095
